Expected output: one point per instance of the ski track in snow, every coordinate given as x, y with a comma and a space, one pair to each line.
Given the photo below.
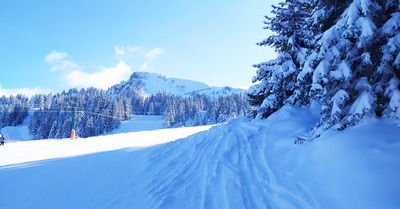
236, 165
225, 170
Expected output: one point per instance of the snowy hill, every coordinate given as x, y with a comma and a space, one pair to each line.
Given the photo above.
236, 165
153, 83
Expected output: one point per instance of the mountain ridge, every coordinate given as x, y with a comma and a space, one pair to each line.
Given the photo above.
153, 83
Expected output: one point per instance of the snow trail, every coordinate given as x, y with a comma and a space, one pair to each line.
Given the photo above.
236, 165
225, 163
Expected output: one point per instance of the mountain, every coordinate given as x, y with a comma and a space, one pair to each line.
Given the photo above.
153, 83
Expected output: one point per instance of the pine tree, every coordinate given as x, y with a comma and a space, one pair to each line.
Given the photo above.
388, 72
342, 65
351, 67
53, 130
292, 40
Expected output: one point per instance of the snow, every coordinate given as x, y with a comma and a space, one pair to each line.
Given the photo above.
352, 13
240, 164
363, 84
152, 83
20, 132
367, 26
140, 123
36, 150
320, 72
17, 133
394, 103
392, 26
363, 104
134, 124
339, 100
397, 61
342, 73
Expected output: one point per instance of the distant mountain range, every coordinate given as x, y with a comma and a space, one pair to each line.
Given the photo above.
153, 83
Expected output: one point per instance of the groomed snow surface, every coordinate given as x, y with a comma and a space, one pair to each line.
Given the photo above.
236, 165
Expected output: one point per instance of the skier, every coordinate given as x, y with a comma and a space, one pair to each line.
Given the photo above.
1, 140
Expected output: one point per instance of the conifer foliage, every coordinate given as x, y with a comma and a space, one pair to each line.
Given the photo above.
13, 110
94, 110
291, 41
351, 66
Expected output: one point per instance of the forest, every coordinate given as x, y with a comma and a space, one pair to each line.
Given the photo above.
92, 111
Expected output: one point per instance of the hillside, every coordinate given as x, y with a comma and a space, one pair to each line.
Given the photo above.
153, 83
240, 164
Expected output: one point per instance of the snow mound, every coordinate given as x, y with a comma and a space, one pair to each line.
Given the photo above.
237, 165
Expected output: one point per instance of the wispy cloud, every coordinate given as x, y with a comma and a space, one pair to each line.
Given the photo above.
122, 50
64, 65
139, 54
55, 56
25, 91
119, 51
144, 67
152, 54
104, 78
57, 61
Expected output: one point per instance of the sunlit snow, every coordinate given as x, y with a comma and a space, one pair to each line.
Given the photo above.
236, 165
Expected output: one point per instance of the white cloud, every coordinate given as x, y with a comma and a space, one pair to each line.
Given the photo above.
25, 91
55, 56
140, 55
64, 65
144, 67
75, 75
151, 55
57, 61
128, 49
122, 50
119, 51
104, 78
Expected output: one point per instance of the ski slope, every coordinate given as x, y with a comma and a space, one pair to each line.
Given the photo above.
236, 165
36, 150
136, 123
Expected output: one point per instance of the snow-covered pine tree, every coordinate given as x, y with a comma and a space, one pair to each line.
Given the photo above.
292, 40
53, 130
388, 72
343, 66
212, 113
353, 69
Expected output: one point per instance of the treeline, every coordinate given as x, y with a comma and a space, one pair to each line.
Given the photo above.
198, 109
94, 111
13, 110
195, 110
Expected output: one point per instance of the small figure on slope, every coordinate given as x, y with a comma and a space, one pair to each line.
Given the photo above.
1, 139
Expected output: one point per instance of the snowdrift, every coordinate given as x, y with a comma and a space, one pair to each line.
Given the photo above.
237, 165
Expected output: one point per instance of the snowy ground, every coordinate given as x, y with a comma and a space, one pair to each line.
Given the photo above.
18, 133
35, 150
237, 165
140, 123
135, 124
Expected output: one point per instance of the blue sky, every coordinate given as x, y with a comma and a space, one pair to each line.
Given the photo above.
56, 45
